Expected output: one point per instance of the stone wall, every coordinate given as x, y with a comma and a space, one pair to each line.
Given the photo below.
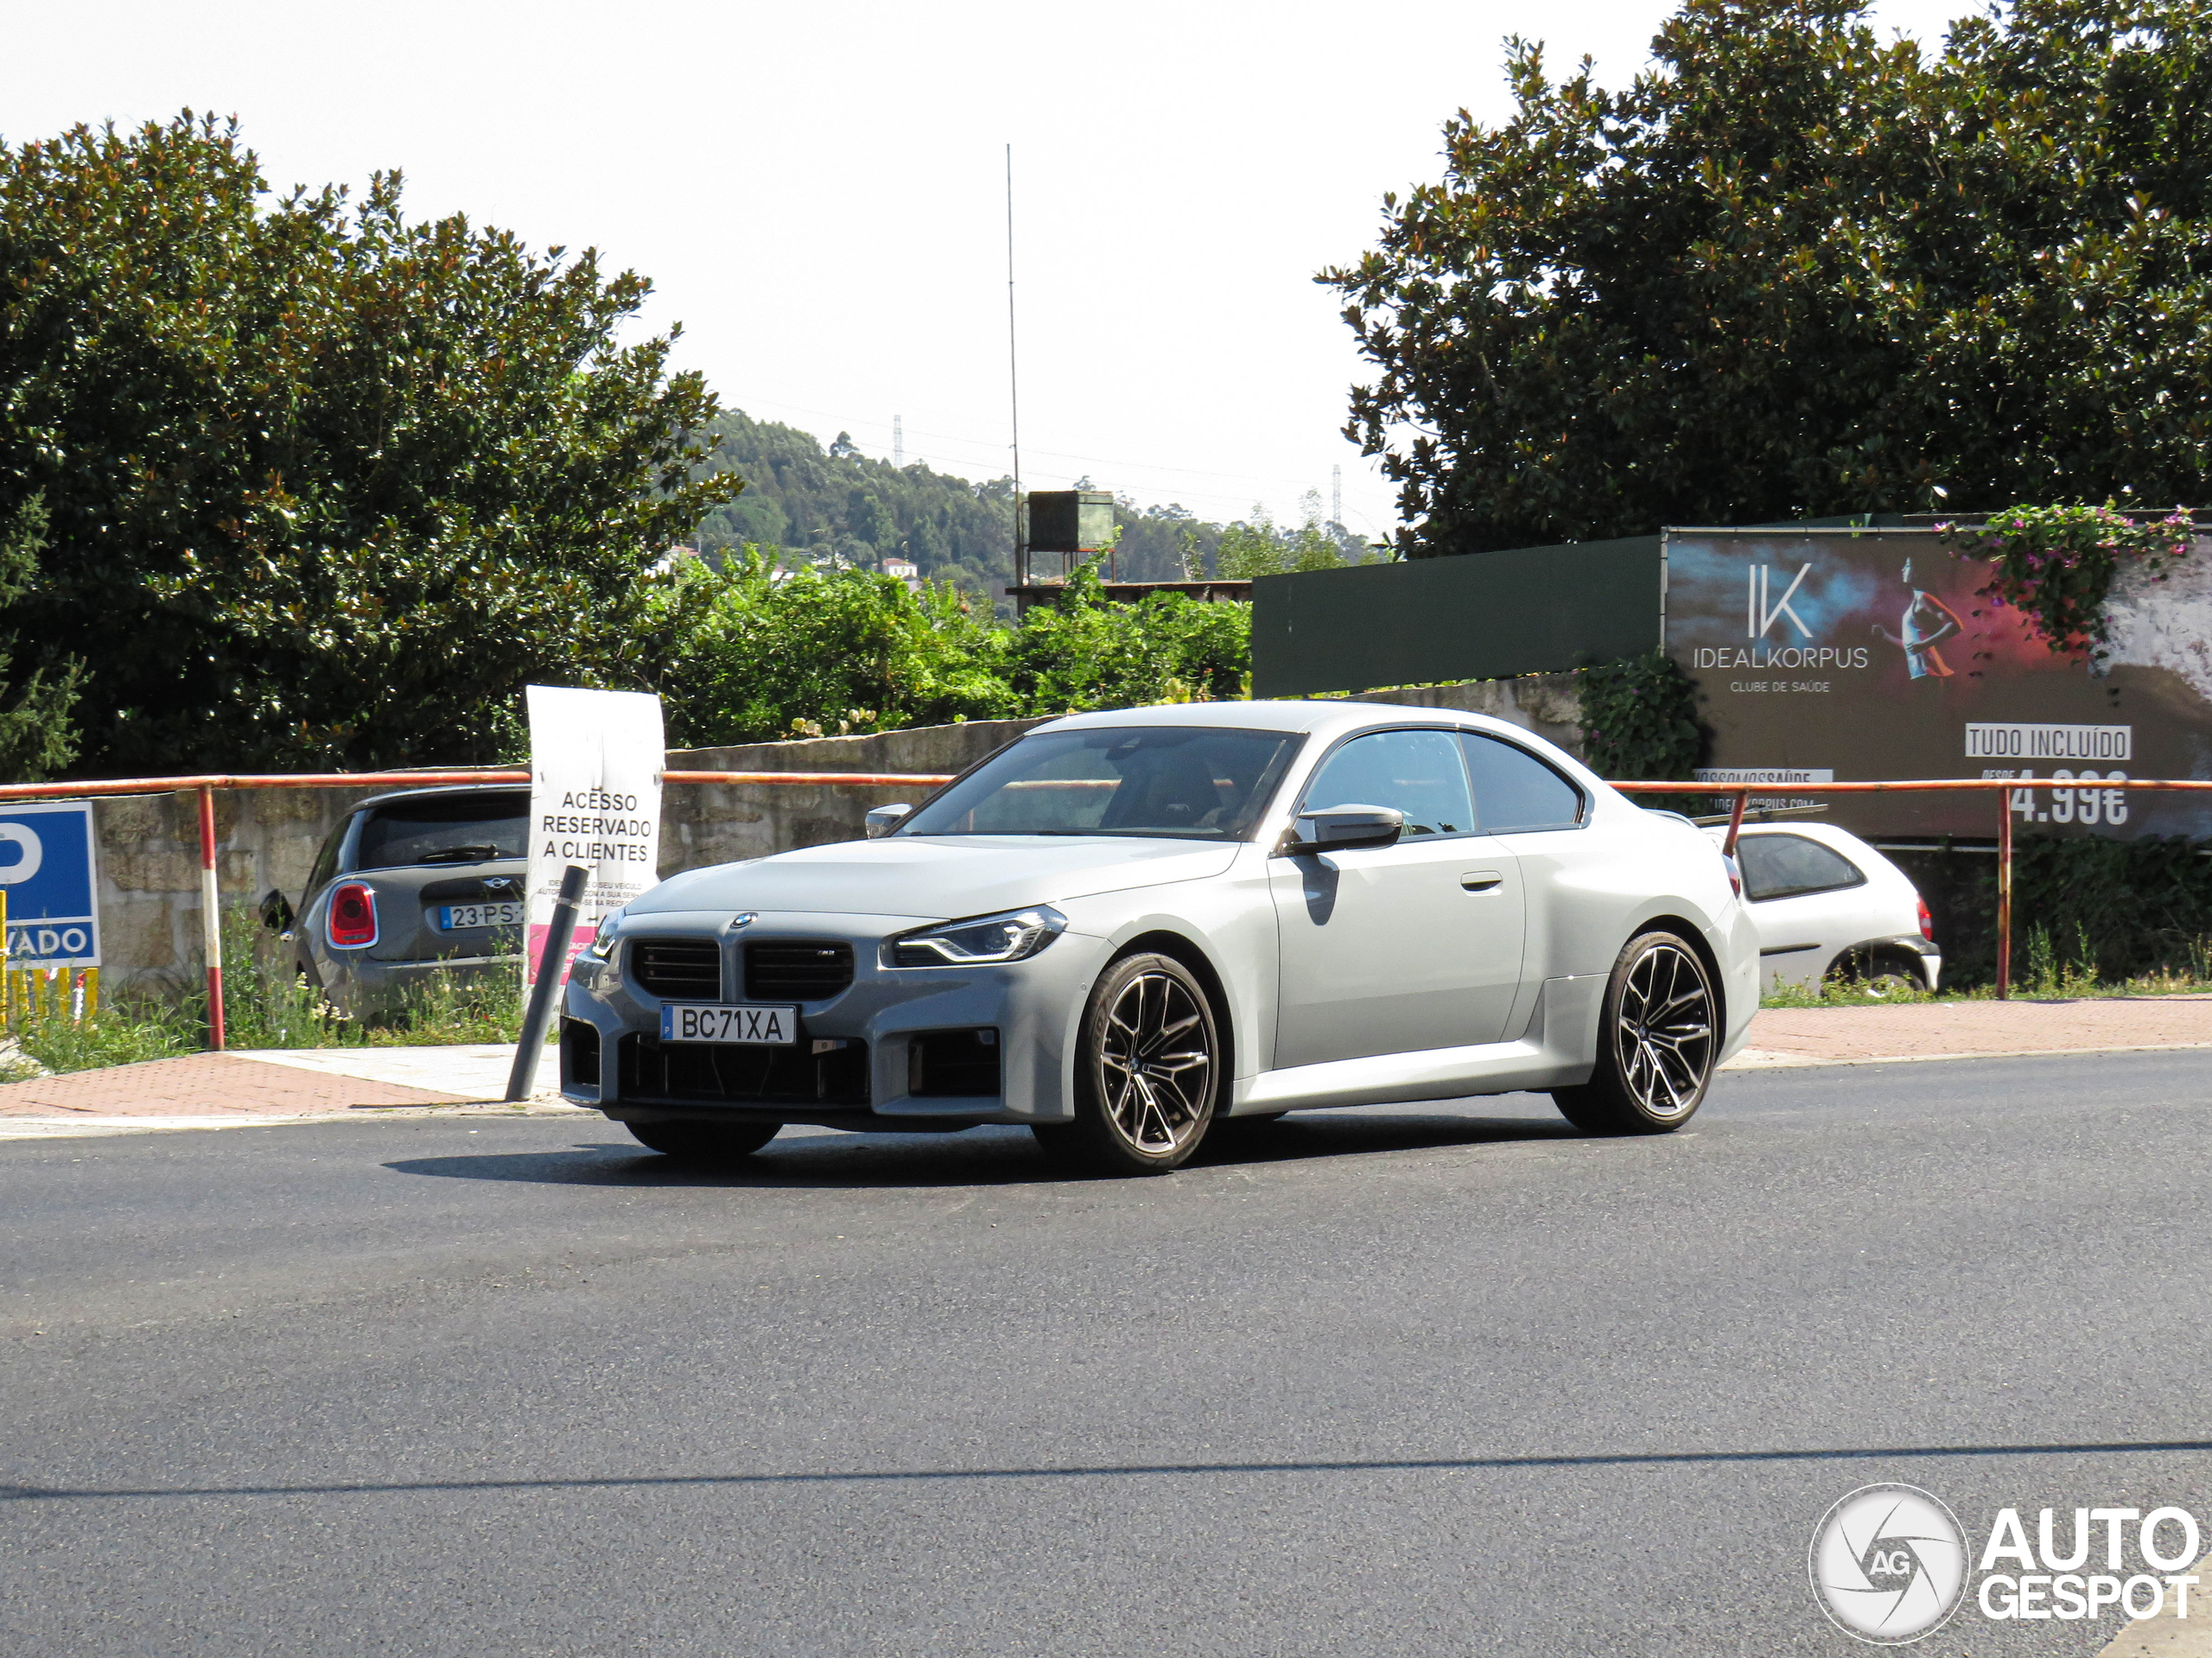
1548, 705
268, 838
149, 869
711, 823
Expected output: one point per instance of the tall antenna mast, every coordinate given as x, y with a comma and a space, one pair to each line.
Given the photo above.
1336, 495
1013, 385
898, 442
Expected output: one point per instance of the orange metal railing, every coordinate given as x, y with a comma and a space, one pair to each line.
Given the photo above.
1742, 792
204, 786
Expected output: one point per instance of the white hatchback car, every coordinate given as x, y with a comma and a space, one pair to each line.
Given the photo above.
1825, 902
1125, 925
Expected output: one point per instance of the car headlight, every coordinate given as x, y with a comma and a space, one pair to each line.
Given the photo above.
602, 941
983, 941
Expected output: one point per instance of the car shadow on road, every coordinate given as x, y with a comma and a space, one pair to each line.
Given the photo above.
992, 1155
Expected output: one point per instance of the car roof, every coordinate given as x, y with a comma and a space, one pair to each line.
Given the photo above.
1834, 834
1327, 717
443, 790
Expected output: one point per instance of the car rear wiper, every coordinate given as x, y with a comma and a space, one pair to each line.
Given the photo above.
460, 854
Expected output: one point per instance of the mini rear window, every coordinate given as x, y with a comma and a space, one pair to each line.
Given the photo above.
454, 828
1790, 866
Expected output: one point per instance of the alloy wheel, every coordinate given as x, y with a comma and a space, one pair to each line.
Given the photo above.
1156, 1065
1662, 1032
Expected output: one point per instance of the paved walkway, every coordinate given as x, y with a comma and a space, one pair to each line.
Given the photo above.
1959, 1030
270, 1085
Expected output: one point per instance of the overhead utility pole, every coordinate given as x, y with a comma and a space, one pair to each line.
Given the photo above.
1014, 385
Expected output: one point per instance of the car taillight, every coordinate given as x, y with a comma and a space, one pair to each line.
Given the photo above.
1735, 875
353, 916
1927, 923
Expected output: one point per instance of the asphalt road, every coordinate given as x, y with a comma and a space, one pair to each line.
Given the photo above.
1369, 1382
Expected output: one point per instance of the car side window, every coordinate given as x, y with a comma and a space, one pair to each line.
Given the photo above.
1790, 866
326, 862
1417, 773
1515, 792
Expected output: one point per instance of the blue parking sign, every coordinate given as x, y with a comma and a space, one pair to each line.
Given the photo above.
49, 873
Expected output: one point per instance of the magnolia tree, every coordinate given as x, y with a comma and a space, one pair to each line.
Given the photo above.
1799, 269
322, 485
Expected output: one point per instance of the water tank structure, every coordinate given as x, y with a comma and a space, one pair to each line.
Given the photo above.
1067, 520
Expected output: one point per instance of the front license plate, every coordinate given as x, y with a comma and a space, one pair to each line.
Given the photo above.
453, 918
693, 1021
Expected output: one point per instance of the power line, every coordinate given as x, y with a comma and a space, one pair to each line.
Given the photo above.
1055, 454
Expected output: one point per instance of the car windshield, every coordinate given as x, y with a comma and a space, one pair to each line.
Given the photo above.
457, 828
1185, 782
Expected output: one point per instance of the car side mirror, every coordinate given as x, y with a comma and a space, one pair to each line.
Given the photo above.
276, 913
882, 820
1342, 828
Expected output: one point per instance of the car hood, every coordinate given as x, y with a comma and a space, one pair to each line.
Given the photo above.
932, 880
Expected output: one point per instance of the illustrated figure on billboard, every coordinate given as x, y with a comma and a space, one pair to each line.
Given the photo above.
1928, 622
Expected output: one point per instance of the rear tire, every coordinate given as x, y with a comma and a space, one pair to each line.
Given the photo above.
1657, 1037
694, 1141
1881, 975
1147, 1072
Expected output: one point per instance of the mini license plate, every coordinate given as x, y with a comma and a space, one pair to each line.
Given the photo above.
694, 1021
453, 918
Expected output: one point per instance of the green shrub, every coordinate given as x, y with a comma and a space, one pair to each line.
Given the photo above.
755, 654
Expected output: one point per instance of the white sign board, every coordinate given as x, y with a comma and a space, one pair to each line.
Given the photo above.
50, 873
595, 799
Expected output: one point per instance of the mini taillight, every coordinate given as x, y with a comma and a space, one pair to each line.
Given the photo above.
1927, 922
1735, 875
352, 916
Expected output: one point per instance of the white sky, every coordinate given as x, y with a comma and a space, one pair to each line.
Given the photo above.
816, 191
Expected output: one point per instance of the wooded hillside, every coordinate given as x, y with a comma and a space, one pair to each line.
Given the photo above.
817, 503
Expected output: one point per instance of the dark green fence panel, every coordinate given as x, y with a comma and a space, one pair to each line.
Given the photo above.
1532, 610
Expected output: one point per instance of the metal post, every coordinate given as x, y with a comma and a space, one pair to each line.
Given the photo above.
552, 968
1736, 821
1013, 390
211, 918
2004, 894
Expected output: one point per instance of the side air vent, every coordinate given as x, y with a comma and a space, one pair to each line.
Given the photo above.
677, 969
795, 970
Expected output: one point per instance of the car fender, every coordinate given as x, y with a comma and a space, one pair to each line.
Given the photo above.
1228, 921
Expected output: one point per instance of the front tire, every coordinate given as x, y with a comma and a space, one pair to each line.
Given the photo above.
693, 1141
1657, 1039
1148, 1072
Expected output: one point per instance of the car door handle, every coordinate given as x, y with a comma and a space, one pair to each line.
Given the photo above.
1482, 880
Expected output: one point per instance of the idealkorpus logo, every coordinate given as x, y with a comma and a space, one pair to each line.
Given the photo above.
1888, 1564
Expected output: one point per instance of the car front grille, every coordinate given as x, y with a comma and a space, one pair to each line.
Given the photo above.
795, 970
678, 1073
677, 969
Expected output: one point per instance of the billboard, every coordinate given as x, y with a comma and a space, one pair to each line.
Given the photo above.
1842, 656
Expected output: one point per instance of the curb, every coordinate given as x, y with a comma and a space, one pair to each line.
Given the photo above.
1774, 1059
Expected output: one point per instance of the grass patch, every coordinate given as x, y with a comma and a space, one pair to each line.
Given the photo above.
44, 1040
2052, 972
